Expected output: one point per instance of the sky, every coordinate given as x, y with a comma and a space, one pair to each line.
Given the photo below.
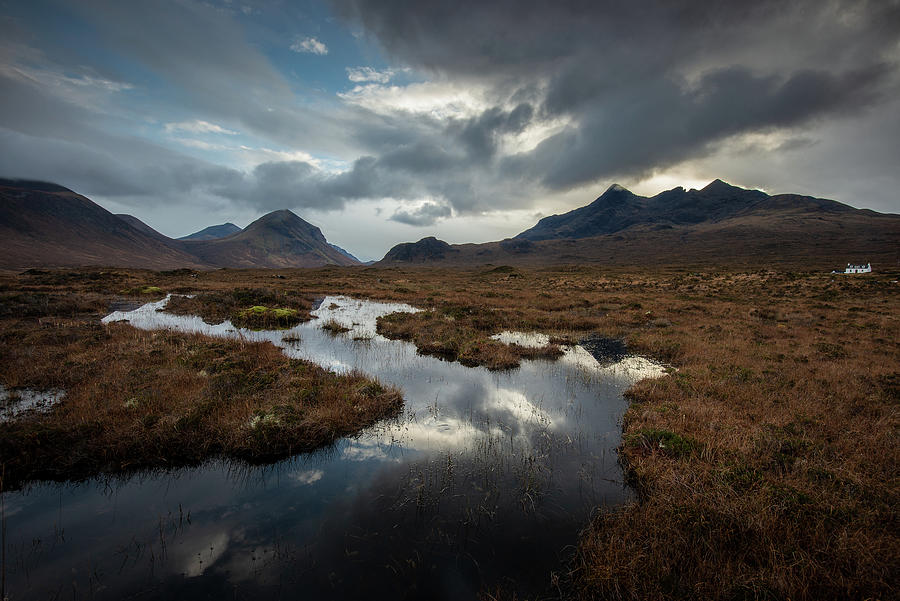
386, 121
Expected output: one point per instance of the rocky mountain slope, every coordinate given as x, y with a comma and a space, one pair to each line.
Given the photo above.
278, 239
719, 223
46, 225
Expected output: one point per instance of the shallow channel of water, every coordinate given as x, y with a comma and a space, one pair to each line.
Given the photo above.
486, 478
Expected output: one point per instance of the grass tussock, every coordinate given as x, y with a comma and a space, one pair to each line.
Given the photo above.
766, 465
652, 440
334, 327
254, 308
259, 317
460, 333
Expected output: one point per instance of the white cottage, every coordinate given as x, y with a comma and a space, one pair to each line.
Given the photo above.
867, 268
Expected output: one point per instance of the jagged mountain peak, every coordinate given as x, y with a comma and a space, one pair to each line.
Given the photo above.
616, 206
719, 186
719, 224
616, 192
618, 209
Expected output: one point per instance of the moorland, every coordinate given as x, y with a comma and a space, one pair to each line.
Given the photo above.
765, 464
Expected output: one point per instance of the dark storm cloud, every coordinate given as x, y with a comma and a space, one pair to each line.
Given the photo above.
424, 157
417, 143
618, 137
297, 184
646, 84
479, 135
414, 156
428, 214
401, 176
490, 39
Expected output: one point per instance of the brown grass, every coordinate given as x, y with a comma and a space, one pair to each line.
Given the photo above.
460, 333
766, 466
334, 327
282, 308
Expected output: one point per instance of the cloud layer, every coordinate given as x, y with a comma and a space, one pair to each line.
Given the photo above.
642, 85
471, 108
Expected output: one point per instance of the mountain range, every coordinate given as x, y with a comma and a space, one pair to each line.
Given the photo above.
214, 232
719, 223
46, 225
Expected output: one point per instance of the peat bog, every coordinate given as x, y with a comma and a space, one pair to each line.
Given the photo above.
763, 466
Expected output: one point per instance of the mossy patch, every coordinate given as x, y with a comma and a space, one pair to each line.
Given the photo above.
260, 317
143, 291
256, 308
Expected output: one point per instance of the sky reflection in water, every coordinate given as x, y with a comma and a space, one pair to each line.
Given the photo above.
486, 477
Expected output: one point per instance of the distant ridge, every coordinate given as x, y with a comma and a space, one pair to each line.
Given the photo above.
46, 225
719, 223
343, 252
49, 225
277, 239
213, 232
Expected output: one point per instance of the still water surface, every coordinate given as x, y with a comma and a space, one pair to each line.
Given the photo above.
485, 479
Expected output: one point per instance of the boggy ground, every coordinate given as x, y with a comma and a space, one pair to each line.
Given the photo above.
766, 464
157, 399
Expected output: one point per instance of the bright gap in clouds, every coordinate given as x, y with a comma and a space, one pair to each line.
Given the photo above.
660, 182
348, 229
442, 100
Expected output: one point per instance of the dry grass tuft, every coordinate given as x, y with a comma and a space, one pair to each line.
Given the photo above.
334, 327
254, 308
461, 333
